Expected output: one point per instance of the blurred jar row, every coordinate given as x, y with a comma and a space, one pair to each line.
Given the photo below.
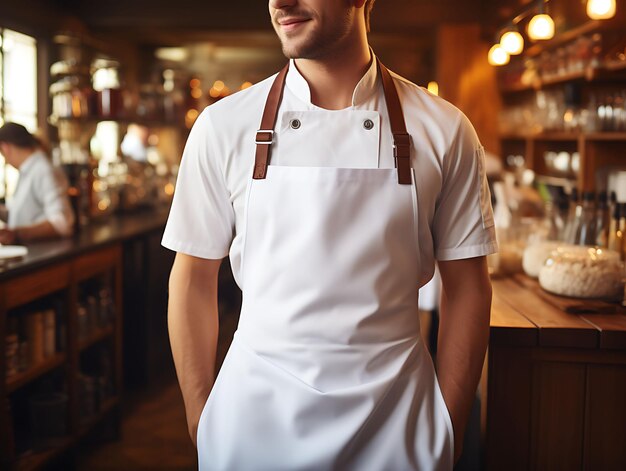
563, 110
577, 249
583, 56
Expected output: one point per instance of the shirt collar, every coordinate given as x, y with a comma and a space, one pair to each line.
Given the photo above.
30, 161
362, 92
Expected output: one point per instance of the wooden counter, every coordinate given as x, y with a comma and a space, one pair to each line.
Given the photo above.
117, 228
556, 381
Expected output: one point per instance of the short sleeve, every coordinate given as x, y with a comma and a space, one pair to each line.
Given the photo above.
201, 219
463, 222
51, 191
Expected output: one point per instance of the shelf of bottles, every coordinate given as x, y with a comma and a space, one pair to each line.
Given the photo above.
61, 357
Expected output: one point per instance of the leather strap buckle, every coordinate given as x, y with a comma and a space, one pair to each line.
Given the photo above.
265, 137
401, 145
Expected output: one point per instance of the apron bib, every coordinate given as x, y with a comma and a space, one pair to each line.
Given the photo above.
327, 369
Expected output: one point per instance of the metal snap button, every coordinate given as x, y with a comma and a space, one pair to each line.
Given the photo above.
368, 124
295, 124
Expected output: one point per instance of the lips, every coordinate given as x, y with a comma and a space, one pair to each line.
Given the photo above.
291, 23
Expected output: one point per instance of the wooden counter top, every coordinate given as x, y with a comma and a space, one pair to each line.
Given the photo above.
99, 234
525, 315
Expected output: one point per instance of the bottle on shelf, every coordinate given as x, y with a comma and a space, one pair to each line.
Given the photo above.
603, 218
49, 321
586, 227
573, 218
35, 334
617, 228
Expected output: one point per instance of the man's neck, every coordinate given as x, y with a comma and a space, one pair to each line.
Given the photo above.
332, 79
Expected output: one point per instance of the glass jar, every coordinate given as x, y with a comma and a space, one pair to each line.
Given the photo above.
583, 272
536, 254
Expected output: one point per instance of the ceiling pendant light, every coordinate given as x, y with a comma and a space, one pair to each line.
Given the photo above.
541, 27
512, 42
497, 55
601, 9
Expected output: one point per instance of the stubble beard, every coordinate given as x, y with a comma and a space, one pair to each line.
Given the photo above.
317, 43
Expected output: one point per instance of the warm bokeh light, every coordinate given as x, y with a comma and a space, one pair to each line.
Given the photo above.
601, 9
433, 87
214, 93
153, 140
245, 85
219, 85
103, 204
498, 56
169, 189
191, 117
194, 83
175, 54
541, 27
512, 42
196, 93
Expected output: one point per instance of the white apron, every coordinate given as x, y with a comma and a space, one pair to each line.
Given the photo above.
327, 370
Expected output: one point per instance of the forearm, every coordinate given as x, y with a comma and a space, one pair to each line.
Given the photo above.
42, 230
462, 343
193, 330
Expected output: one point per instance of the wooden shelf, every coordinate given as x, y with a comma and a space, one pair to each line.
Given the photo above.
564, 37
566, 136
96, 336
556, 181
94, 120
606, 136
63, 277
36, 460
25, 377
106, 408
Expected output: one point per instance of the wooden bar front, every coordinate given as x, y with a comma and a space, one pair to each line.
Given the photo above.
556, 381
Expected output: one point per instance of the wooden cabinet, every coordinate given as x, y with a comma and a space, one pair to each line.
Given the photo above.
556, 382
64, 284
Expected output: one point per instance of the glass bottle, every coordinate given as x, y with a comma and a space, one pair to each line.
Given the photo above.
621, 231
573, 218
616, 229
586, 228
603, 219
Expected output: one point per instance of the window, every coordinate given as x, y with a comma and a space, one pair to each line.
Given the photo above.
18, 91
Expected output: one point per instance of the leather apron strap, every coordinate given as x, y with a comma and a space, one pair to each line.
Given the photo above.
401, 139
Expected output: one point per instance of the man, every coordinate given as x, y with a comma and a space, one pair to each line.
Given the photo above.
333, 215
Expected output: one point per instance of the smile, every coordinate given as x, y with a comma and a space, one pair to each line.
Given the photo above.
291, 24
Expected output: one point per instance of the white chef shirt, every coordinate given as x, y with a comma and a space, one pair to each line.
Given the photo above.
207, 217
41, 195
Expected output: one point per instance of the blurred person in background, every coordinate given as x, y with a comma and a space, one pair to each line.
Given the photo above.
39, 208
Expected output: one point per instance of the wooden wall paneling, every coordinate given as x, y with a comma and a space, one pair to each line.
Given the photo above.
468, 81
558, 416
605, 418
509, 409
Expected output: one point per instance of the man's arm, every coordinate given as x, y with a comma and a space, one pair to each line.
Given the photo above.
463, 337
193, 330
39, 231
